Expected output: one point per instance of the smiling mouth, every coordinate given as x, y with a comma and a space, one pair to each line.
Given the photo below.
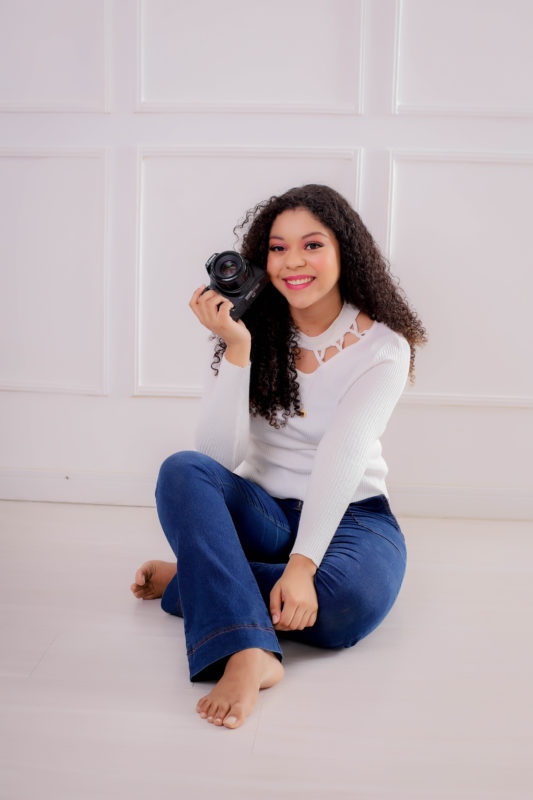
298, 283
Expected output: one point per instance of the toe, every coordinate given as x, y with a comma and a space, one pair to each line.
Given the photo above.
223, 710
234, 717
201, 706
219, 712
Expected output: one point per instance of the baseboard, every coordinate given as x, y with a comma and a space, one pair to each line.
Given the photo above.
128, 489
462, 502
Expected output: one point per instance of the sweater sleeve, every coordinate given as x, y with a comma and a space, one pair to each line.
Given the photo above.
361, 417
224, 426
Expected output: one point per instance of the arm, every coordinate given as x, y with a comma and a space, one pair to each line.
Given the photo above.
361, 418
340, 462
223, 428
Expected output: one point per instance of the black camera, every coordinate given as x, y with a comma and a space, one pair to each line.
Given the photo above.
234, 277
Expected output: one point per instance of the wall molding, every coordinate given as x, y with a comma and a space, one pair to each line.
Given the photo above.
465, 400
406, 109
131, 489
101, 388
397, 156
407, 399
154, 107
353, 156
75, 107
163, 390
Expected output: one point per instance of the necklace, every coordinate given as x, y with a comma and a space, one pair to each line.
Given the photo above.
332, 336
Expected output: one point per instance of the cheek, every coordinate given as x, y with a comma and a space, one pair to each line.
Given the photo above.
271, 266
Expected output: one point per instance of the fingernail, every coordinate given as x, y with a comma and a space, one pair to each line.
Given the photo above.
231, 720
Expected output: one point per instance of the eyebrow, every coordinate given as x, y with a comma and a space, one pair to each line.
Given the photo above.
306, 235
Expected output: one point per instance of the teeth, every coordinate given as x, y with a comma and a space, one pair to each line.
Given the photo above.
298, 281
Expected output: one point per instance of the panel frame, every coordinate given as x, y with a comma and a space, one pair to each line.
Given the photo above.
441, 110
353, 155
152, 107
79, 108
101, 387
397, 156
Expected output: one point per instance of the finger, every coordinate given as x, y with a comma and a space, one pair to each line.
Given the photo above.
207, 309
140, 577
220, 307
287, 615
224, 312
197, 293
275, 603
297, 622
306, 621
211, 298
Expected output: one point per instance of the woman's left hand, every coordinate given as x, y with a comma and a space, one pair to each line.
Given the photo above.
296, 591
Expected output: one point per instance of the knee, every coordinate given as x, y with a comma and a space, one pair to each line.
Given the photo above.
350, 614
176, 469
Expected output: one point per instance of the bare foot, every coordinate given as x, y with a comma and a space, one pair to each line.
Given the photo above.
235, 695
152, 579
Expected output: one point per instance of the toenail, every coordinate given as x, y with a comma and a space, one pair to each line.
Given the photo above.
231, 720
203, 715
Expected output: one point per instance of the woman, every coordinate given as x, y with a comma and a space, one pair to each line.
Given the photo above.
280, 523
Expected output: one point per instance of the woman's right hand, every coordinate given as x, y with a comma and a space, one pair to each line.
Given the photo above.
212, 309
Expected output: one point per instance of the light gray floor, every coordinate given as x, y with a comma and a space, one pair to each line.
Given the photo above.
96, 701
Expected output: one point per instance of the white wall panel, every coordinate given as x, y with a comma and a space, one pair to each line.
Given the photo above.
465, 56
53, 55
241, 55
278, 91
52, 283
190, 202
461, 242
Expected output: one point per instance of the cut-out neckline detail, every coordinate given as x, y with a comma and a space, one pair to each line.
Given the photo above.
342, 333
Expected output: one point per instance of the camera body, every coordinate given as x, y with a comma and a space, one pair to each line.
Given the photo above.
234, 277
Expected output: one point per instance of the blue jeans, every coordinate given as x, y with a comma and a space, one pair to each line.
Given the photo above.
232, 542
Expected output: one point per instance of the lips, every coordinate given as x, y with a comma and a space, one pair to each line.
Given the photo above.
298, 282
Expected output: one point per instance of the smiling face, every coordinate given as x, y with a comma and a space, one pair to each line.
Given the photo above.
304, 265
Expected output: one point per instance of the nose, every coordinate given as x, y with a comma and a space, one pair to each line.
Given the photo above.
294, 258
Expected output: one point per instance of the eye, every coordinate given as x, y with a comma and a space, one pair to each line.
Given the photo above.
313, 245
276, 248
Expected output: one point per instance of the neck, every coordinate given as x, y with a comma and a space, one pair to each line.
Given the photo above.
317, 318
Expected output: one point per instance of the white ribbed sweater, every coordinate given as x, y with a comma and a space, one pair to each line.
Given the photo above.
329, 458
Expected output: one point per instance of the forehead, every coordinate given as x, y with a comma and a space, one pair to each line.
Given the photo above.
297, 219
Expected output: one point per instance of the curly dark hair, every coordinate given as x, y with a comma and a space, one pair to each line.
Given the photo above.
365, 282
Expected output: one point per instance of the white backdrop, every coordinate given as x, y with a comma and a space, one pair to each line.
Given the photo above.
133, 137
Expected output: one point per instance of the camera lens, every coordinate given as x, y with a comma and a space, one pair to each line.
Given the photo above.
228, 269
229, 272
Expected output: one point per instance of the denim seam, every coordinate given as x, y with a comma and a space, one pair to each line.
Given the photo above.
261, 510
227, 630
376, 533
389, 518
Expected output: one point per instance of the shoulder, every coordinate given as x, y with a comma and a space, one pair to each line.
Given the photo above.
384, 343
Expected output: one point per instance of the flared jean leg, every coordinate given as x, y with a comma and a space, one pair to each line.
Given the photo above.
216, 522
